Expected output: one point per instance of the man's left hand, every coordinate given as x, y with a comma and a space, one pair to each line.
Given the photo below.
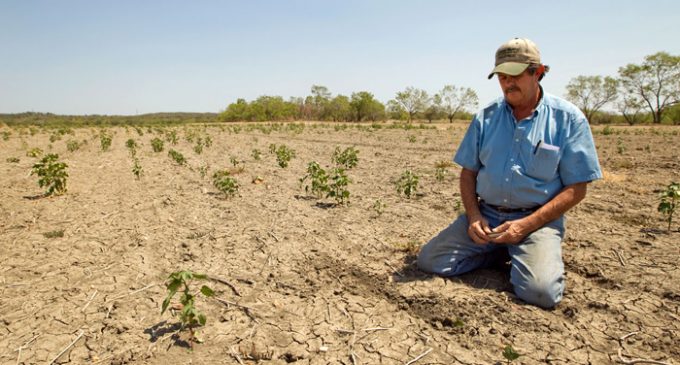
512, 232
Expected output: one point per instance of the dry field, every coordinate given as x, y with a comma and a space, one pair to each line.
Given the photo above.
300, 280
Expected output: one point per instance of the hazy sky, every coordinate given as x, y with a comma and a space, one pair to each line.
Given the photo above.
143, 56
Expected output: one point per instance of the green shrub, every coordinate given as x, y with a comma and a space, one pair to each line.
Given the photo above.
157, 144
72, 145
52, 174
105, 141
407, 183
34, 152
669, 202
347, 158
225, 183
284, 155
177, 157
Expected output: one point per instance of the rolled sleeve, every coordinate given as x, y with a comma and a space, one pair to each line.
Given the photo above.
467, 155
579, 161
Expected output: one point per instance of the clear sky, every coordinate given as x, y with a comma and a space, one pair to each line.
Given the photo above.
144, 56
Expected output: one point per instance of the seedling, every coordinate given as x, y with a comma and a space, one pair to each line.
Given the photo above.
52, 174
105, 141
412, 139
72, 145
669, 202
347, 158
157, 144
379, 207
5, 135
272, 148
131, 146
178, 157
203, 170
225, 183
510, 354
407, 183
337, 189
54, 234
198, 148
171, 137
439, 174
34, 152
284, 155
137, 169
319, 179
256, 154
12, 159
234, 161
189, 316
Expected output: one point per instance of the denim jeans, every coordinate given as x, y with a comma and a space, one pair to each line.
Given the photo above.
537, 272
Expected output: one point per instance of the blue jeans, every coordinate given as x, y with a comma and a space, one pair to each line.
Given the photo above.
537, 272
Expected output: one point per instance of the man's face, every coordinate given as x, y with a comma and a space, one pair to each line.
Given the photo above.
520, 91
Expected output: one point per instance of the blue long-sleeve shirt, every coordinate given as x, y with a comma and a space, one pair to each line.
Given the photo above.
525, 164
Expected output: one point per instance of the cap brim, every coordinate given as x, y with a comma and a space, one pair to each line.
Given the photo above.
509, 68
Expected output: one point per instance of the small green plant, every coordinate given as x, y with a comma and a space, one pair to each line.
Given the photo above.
207, 141
139, 131
54, 234
137, 169
318, 178
441, 168
257, 154
510, 354
198, 148
407, 183
171, 137
55, 137
72, 145
347, 158
379, 207
234, 161
105, 141
189, 316
669, 202
12, 159
203, 170
337, 189
52, 174
177, 157
284, 155
5, 135
620, 147
607, 131
411, 139
34, 152
226, 184
131, 146
272, 149
157, 144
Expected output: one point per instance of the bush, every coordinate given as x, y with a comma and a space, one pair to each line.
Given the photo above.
52, 174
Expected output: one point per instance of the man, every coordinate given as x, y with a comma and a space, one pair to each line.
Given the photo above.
527, 159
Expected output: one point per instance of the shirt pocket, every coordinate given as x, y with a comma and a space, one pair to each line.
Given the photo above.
543, 163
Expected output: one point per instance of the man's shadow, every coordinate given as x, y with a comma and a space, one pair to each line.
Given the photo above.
495, 276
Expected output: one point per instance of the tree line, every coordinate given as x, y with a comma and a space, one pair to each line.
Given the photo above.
644, 92
412, 103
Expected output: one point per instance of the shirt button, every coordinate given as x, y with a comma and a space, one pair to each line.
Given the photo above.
506, 179
512, 160
505, 200
516, 139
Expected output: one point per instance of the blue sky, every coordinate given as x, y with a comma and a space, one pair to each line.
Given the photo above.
142, 56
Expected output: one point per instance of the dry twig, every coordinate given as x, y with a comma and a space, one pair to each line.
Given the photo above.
419, 357
130, 293
225, 282
67, 347
623, 360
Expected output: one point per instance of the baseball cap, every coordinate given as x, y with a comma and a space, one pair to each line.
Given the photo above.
515, 55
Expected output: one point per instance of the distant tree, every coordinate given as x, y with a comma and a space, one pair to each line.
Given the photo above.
272, 108
655, 81
396, 111
631, 108
591, 93
413, 100
434, 108
455, 100
321, 97
237, 111
365, 106
340, 109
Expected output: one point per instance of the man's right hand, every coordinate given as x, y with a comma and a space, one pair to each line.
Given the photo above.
478, 228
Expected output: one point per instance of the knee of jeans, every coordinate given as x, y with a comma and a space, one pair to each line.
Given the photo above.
541, 293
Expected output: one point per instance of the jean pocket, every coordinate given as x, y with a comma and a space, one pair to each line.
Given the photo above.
543, 165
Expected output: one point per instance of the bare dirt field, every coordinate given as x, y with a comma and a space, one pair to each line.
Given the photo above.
300, 280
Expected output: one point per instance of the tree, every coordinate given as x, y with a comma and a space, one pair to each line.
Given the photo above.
236, 111
591, 93
434, 108
321, 97
365, 106
655, 81
631, 106
455, 100
413, 100
396, 111
339, 109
